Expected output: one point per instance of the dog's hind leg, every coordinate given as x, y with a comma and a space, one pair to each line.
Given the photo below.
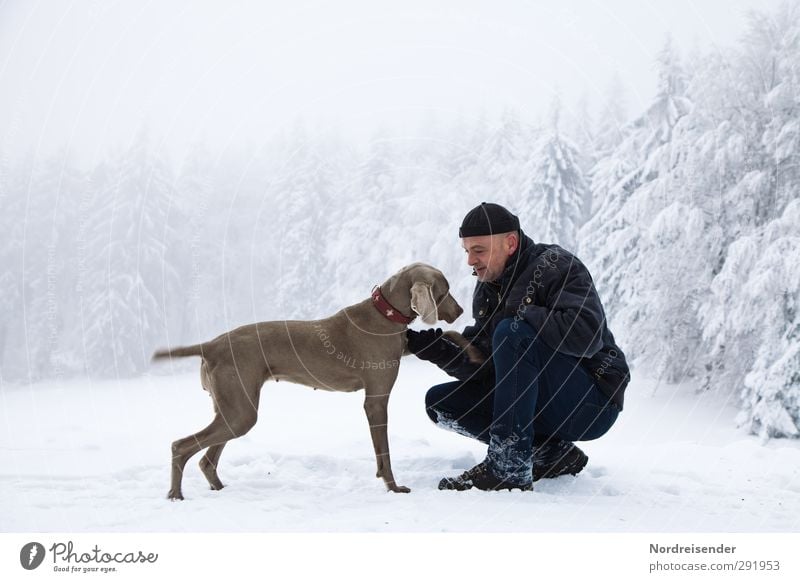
235, 413
210, 461
209, 464
220, 431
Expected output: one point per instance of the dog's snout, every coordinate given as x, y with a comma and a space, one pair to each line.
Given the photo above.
452, 312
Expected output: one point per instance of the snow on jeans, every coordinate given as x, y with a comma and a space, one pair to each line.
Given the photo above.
537, 390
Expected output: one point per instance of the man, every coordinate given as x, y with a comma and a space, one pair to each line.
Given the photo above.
553, 374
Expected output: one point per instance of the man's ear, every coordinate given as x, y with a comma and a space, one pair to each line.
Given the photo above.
423, 303
512, 242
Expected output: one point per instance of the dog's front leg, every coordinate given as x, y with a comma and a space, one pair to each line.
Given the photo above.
376, 405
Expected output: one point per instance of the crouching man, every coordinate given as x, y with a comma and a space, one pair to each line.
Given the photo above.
553, 373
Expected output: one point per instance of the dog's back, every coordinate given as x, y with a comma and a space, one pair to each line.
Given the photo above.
338, 353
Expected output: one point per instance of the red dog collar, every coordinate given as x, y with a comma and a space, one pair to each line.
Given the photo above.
387, 309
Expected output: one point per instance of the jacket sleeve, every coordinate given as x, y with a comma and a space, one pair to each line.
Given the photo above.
471, 331
571, 321
441, 351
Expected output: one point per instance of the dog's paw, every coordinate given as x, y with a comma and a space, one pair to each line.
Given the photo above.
399, 489
175, 495
473, 354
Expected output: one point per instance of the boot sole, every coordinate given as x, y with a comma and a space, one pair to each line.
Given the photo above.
449, 485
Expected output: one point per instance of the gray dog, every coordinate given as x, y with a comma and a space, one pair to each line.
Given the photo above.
358, 347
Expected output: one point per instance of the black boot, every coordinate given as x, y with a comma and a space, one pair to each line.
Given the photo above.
482, 478
557, 457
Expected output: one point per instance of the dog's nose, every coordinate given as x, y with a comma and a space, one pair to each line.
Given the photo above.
454, 314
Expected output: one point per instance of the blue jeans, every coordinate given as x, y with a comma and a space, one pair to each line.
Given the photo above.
537, 391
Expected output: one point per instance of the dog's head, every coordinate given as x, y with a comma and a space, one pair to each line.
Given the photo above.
429, 293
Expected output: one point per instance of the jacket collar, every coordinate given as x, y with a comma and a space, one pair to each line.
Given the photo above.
515, 265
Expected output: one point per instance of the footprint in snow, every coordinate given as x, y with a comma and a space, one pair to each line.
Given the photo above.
596, 472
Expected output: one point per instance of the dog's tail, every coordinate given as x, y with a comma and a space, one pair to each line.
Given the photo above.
179, 352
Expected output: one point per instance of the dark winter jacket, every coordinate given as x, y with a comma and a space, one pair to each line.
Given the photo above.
550, 289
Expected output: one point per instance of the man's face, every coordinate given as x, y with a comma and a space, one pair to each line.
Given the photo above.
489, 254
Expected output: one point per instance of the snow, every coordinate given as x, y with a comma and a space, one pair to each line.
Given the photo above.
81, 456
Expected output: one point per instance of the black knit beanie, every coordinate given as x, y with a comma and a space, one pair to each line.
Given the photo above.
488, 218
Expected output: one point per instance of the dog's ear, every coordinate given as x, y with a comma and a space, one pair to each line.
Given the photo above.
423, 303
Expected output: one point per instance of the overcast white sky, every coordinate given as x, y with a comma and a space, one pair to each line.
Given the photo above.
87, 73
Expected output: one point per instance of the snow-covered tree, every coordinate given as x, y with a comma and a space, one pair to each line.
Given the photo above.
14, 188
774, 62
612, 121
307, 190
502, 174
556, 200
756, 355
688, 235
130, 271
753, 325
631, 186
54, 219
361, 227
198, 215
581, 127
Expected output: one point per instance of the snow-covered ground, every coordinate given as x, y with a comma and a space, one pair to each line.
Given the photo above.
79, 456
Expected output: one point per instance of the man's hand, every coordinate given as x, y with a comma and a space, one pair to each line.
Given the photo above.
460, 361
423, 343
